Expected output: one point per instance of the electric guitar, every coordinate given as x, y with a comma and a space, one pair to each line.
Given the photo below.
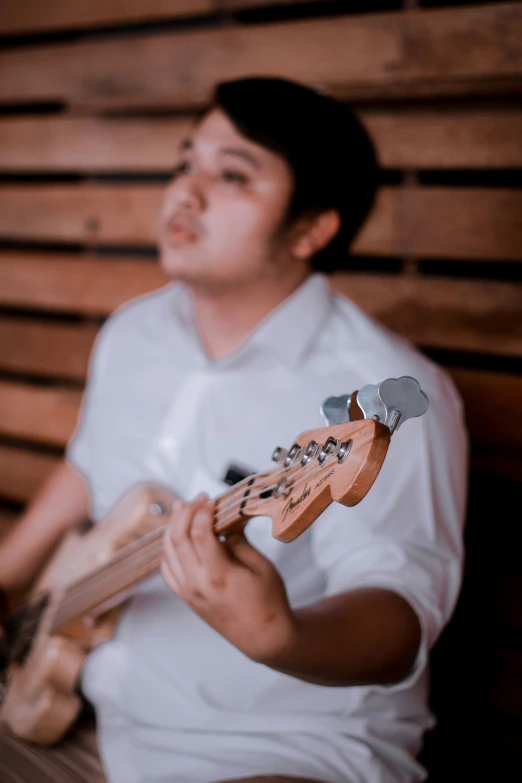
76, 601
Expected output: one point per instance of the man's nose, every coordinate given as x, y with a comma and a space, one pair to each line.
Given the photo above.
188, 192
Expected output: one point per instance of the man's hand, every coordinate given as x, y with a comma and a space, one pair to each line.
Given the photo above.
361, 636
229, 584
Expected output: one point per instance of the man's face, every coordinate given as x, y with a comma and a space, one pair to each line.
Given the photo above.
223, 210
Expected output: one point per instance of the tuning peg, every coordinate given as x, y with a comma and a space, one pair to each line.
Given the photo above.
403, 399
334, 410
294, 455
371, 404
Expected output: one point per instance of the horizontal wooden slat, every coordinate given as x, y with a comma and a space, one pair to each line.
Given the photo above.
402, 53
439, 222
90, 144
492, 403
421, 139
449, 139
38, 414
431, 222
499, 461
73, 284
81, 213
23, 471
43, 348
30, 16
464, 315
242, 5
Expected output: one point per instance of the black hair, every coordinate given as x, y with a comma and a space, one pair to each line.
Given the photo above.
330, 153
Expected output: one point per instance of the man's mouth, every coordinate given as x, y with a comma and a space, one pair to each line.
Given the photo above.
182, 230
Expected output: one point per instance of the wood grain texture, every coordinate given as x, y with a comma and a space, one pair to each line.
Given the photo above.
437, 312
46, 415
72, 283
90, 214
38, 347
90, 144
492, 404
30, 16
23, 471
430, 222
497, 461
464, 315
425, 52
420, 139
441, 222
462, 138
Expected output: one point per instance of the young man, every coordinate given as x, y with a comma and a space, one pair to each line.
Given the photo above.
250, 659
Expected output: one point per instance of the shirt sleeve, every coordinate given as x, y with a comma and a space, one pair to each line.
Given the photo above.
85, 447
406, 534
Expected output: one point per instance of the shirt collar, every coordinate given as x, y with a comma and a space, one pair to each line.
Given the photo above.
288, 330
284, 334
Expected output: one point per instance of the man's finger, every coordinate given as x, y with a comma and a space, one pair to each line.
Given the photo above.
170, 566
179, 528
243, 551
169, 578
210, 551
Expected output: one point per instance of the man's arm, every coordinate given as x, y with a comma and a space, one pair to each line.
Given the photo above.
361, 636
62, 501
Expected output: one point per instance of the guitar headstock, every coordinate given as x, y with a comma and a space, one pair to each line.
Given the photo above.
339, 462
332, 463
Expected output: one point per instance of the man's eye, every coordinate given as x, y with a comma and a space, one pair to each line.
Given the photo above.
182, 168
236, 177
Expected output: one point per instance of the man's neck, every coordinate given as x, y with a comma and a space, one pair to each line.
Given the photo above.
225, 318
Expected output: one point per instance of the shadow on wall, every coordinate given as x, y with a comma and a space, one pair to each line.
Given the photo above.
477, 662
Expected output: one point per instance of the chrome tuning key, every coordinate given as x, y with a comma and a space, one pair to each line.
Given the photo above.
311, 452
403, 399
294, 455
279, 454
391, 402
371, 404
334, 410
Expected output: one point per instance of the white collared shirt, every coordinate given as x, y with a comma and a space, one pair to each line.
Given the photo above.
175, 701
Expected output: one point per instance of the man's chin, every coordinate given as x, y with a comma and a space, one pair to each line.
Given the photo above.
176, 266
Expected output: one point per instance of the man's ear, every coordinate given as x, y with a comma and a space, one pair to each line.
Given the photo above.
315, 232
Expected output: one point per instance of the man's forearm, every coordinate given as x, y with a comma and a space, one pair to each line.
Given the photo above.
61, 502
367, 635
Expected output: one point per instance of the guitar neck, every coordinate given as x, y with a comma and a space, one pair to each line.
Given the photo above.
338, 463
109, 585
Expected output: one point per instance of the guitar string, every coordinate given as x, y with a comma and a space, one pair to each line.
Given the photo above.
128, 562
219, 510
139, 558
136, 557
130, 548
121, 554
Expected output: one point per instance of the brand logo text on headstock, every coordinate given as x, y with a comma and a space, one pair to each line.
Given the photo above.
293, 504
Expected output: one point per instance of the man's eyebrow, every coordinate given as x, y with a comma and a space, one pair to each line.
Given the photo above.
241, 153
238, 152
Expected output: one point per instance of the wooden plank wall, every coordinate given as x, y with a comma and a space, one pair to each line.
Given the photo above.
94, 98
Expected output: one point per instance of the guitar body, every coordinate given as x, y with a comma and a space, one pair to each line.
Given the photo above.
41, 702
